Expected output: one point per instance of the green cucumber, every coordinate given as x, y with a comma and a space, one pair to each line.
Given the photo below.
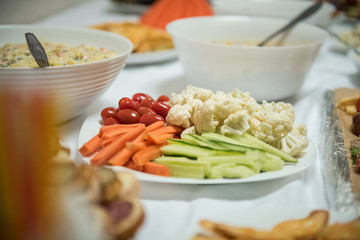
183, 161
197, 140
186, 150
236, 159
180, 171
273, 163
238, 171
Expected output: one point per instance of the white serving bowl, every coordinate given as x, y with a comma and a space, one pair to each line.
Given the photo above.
284, 9
74, 87
267, 73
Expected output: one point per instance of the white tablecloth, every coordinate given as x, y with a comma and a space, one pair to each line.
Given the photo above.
170, 208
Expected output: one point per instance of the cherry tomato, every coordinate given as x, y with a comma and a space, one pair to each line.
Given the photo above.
137, 104
108, 112
144, 110
147, 103
358, 105
163, 98
127, 103
161, 108
139, 97
127, 116
110, 121
150, 118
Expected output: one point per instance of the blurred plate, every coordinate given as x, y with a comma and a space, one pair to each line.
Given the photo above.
269, 216
92, 125
151, 57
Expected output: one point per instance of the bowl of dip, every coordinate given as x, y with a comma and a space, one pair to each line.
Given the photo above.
84, 63
221, 53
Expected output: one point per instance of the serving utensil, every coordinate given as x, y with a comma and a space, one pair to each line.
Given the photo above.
303, 15
37, 50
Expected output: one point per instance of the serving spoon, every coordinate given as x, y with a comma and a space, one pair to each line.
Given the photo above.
37, 50
303, 15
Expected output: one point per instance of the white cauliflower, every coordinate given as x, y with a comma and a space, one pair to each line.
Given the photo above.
189, 94
272, 121
295, 141
180, 115
237, 123
200, 110
203, 118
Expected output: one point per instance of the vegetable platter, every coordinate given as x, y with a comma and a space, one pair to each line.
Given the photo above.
144, 136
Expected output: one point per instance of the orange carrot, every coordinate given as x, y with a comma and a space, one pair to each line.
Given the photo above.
154, 126
107, 152
158, 138
124, 155
108, 140
136, 146
156, 169
115, 132
116, 126
147, 154
168, 129
121, 157
90, 146
130, 164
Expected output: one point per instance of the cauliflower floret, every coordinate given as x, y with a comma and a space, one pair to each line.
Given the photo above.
189, 94
203, 117
236, 123
180, 115
245, 100
295, 141
190, 130
272, 121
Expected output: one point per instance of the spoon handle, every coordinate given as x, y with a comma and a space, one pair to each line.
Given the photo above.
37, 50
306, 13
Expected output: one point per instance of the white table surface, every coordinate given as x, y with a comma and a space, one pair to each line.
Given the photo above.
172, 208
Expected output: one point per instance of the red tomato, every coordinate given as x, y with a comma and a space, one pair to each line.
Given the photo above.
147, 103
108, 112
110, 121
358, 105
127, 116
163, 98
127, 103
139, 97
150, 118
161, 108
144, 110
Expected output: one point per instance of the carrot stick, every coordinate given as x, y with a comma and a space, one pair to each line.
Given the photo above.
130, 164
158, 138
124, 155
136, 146
147, 154
121, 157
90, 146
114, 132
154, 126
108, 141
116, 126
107, 152
168, 129
156, 169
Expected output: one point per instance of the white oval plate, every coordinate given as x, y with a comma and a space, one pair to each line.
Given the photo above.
268, 216
151, 57
92, 125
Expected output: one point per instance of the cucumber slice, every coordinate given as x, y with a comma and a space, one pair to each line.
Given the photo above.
235, 159
181, 171
238, 172
197, 140
273, 163
270, 149
183, 161
186, 150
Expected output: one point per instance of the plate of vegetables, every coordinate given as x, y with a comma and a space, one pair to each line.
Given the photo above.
136, 137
